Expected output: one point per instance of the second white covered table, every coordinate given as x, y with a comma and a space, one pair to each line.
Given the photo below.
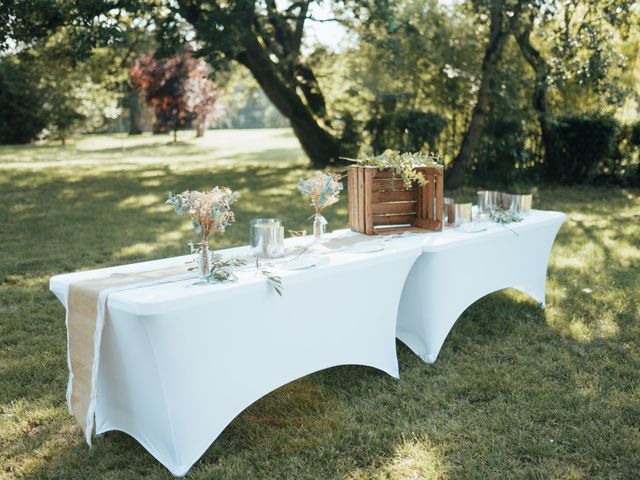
458, 268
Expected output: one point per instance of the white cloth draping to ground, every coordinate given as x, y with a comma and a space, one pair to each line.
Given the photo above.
180, 361
456, 269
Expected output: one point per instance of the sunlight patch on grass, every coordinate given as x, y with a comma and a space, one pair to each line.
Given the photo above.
137, 249
277, 192
148, 249
222, 147
579, 330
151, 183
145, 200
411, 460
39, 428
151, 173
627, 252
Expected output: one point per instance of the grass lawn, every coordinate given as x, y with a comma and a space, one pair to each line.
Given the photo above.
517, 392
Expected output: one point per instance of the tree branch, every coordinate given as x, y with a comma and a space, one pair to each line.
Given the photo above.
298, 30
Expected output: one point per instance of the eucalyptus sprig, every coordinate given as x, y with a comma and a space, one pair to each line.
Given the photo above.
500, 215
274, 280
402, 164
220, 271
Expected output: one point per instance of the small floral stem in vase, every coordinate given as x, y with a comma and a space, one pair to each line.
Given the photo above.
210, 213
204, 258
319, 226
322, 190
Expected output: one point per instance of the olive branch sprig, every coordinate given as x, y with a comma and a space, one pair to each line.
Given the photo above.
500, 215
221, 271
504, 217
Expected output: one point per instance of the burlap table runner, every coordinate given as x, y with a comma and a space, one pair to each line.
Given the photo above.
86, 311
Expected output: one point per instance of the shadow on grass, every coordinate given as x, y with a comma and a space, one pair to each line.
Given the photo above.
516, 391
155, 149
502, 373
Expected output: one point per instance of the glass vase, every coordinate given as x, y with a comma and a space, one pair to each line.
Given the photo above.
319, 227
203, 258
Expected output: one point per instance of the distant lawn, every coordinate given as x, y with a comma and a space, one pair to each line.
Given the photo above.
516, 392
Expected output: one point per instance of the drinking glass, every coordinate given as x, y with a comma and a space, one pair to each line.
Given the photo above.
267, 238
462, 213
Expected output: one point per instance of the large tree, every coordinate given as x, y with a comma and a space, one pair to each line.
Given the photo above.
21, 104
178, 89
262, 35
503, 16
577, 33
267, 39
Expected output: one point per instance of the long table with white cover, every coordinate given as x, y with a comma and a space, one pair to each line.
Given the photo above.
178, 361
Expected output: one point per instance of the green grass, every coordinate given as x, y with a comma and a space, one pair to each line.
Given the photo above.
516, 392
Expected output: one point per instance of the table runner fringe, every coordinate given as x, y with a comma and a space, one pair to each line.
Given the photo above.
70, 378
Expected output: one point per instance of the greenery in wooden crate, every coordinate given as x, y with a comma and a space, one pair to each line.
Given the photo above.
402, 164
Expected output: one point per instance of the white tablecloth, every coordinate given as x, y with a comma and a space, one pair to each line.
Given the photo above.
179, 362
457, 268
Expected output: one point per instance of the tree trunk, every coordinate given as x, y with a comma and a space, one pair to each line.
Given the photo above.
136, 107
321, 146
201, 127
540, 98
456, 174
269, 44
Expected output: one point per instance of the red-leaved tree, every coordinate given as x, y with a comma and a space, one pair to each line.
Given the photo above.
179, 90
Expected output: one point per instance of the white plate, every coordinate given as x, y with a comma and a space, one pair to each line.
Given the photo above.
472, 228
305, 261
367, 247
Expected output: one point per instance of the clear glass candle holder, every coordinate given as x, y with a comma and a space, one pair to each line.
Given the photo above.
267, 238
462, 213
203, 258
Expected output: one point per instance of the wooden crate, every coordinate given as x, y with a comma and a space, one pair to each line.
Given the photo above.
379, 203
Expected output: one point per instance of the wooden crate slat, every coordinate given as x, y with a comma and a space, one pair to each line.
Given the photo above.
361, 219
397, 196
393, 219
393, 207
428, 224
383, 174
353, 200
387, 185
429, 204
368, 201
439, 198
